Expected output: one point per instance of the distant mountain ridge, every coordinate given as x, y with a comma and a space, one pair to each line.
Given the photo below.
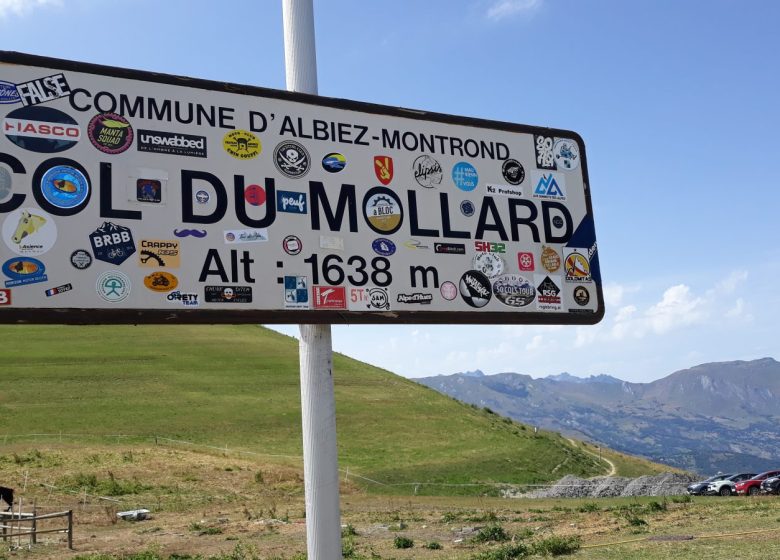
715, 416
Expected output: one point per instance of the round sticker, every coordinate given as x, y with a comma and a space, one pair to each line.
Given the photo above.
581, 295
465, 176
64, 186
41, 129
513, 171
475, 288
577, 267
333, 163
202, 197
292, 245
254, 195
113, 286
566, 154
514, 290
448, 290
80, 259
242, 144
5, 183
161, 281
383, 247
467, 208
382, 210
291, 159
29, 231
110, 133
489, 264
427, 171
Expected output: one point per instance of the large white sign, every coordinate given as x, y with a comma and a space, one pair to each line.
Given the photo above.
134, 197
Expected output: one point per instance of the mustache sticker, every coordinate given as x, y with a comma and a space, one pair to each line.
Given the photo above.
188, 232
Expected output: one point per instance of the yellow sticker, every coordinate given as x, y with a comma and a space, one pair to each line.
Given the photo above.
242, 144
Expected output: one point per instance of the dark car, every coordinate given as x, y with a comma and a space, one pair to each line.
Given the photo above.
753, 486
771, 485
699, 488
725, 487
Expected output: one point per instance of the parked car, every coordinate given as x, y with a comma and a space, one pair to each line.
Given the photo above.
771, 485
698, 488
752, 487
725, 487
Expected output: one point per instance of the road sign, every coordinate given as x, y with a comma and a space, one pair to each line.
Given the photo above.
128, 196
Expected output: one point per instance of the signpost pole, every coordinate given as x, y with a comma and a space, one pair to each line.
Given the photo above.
318, 404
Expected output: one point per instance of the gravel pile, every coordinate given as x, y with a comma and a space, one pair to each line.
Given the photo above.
665, 484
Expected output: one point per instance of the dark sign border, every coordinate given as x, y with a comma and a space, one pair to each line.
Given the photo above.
92, 316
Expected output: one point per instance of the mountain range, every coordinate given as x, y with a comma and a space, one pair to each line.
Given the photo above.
722, 416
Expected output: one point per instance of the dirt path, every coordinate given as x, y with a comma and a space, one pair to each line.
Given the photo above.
612, 467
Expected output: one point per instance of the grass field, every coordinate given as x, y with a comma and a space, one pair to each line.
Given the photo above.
212, 505
237, 387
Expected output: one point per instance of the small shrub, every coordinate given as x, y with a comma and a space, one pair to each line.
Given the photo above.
588, 507
634, 520
491, 533
488, 410
504, 552
685, 499
259, 477
348, 531
403, 542
449, 517
657, 506
433, 545
557, 545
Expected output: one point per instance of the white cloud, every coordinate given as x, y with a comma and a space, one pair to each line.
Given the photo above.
677, 308
729, 284
10, 8
507, 8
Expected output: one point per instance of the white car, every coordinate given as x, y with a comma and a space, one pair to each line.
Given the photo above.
725, 487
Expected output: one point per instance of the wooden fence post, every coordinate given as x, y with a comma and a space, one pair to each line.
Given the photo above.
70, 529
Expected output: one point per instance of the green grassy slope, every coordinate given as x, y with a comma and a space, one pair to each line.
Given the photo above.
237, 386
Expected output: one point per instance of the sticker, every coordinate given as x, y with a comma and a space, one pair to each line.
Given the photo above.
449, 291
110, 133
242, 144
449, 248
566, 154
489, 247
548, 293
24, 270
514, 290
513, 171
245, 235
329, 297
291, 202
187, 299
383, 247
333, 242
112, 243
382, 210
549, 185
255, 195
159, 253
383, 168
465, 176
161, 281
577, 266
41, 129
5, 297
503, 190
543, 145
557, 222
415, 244
291, 159
199, 233
8, 93
489, 264
58, 290
228, 294
5, 183
202, 197
334, 162
551, 260
581, 295
113, 286
296, 292
376, 299
525, 261
427, 172
467, 208
29, 231
171, 143
42, 90
64, 186
148, 190
475, 288
80, 259
292, 245
416, 297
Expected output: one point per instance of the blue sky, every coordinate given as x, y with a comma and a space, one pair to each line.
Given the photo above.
677, 103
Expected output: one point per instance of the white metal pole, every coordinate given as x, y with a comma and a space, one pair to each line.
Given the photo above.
318, 403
